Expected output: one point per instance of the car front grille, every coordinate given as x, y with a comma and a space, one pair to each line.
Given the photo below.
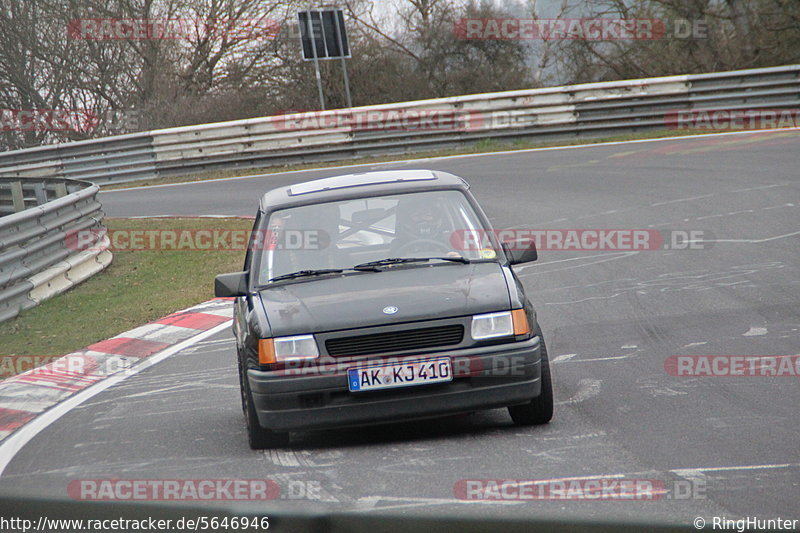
396, 341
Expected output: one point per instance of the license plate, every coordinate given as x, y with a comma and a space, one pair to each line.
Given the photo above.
419, 372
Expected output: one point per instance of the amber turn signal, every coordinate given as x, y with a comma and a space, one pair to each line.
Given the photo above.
520, 319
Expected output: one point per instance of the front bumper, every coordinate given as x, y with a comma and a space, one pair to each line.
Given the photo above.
483, 378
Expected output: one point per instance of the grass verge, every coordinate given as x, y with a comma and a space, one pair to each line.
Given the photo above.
138, 287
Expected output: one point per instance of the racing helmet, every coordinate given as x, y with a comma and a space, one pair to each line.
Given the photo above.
422, 218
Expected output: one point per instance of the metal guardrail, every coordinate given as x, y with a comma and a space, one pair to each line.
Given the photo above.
569, 112
39, 256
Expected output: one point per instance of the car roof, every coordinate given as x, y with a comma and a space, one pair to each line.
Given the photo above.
360, 185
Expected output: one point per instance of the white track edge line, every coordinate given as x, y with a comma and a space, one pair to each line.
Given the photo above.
17, 440
438, 158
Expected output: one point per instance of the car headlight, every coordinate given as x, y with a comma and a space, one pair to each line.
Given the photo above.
502, 324
287, 349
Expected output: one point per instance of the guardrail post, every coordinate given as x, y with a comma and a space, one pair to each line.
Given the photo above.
61, 189
16, 196
40, 193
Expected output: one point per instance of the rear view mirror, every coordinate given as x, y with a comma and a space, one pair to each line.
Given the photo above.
230, 285
520, 251
368, 216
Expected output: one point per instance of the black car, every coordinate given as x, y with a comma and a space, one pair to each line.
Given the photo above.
381, 296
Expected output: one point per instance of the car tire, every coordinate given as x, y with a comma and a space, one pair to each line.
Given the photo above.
540, 409
258, 437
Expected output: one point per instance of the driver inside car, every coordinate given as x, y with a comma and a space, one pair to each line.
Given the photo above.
423, 230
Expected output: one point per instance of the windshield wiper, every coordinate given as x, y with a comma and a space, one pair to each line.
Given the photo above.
400, 260
319, 272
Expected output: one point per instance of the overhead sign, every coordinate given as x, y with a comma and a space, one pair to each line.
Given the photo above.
324, 28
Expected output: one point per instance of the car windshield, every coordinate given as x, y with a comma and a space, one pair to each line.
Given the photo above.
343, 234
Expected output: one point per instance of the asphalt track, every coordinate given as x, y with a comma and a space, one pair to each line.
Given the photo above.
611, 320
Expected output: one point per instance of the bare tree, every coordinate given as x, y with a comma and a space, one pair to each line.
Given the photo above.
440, 62
725, 35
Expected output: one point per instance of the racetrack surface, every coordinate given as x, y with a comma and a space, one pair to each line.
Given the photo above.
610, 319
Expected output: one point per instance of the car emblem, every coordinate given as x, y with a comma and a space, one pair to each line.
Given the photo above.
389, 310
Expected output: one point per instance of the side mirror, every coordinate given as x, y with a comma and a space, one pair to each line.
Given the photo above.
520, 251
230, 285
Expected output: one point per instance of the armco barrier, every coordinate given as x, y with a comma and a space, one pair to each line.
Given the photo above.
556, 113
36, 261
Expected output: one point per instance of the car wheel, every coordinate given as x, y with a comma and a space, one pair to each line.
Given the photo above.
540, 409
258, 437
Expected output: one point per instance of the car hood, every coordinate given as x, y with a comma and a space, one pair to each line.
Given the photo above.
358, 300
